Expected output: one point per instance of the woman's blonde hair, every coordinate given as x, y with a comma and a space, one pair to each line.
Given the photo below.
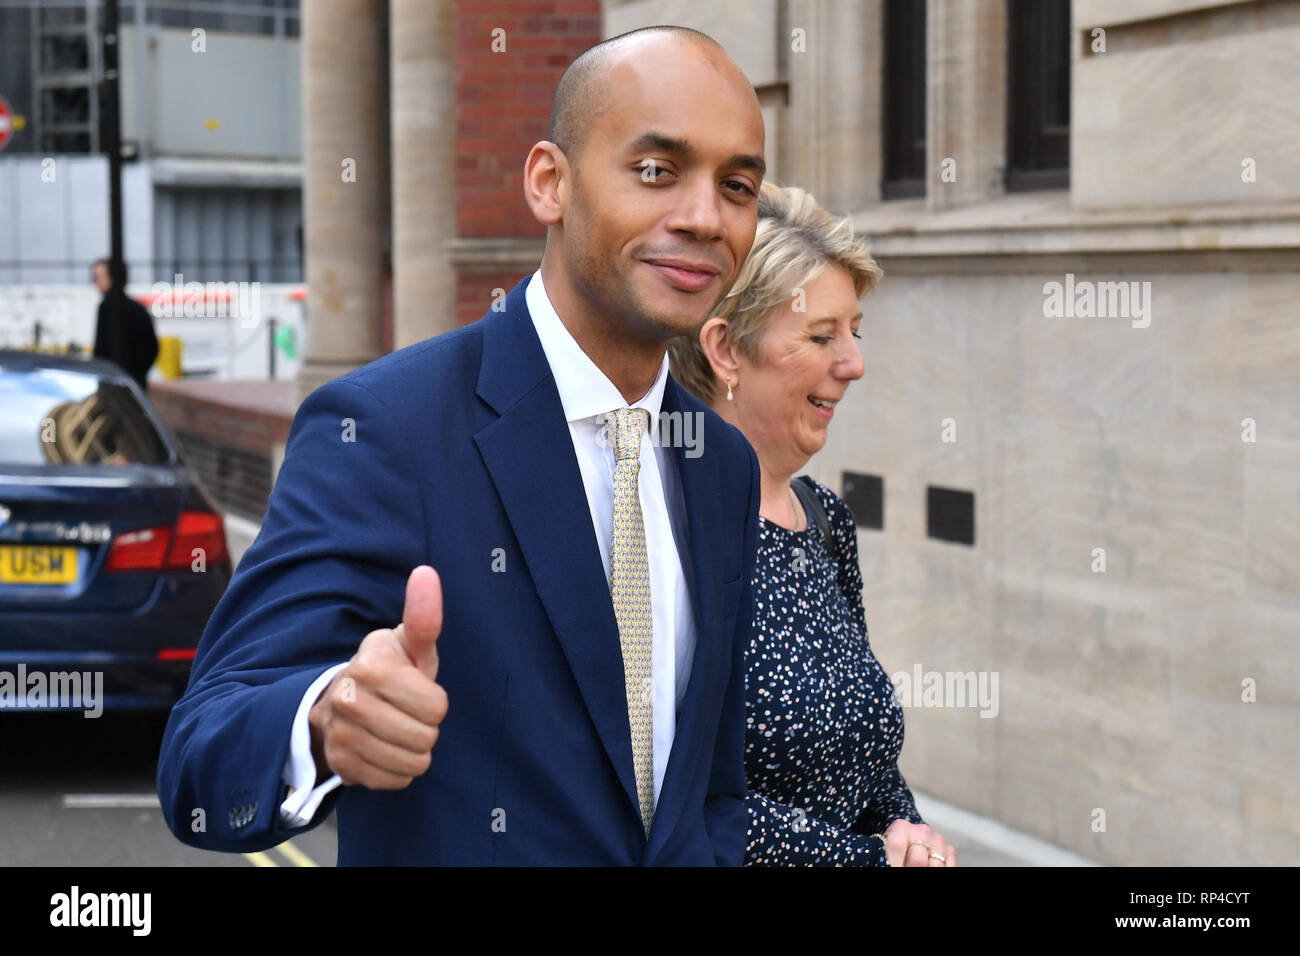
795, 241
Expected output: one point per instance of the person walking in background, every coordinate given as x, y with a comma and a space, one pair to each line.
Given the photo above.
124, 331
823, 728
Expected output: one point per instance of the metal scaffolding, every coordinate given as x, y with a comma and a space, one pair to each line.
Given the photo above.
65, 72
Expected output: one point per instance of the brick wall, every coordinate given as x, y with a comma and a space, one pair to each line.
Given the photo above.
230, 434
503, 107
474, 291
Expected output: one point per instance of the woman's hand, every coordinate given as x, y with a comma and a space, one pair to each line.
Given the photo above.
904, 845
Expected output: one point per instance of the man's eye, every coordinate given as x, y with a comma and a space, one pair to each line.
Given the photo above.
650, 172
743, 185
821, 339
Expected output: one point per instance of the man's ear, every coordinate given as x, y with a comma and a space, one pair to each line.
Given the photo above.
718, 348
546, 182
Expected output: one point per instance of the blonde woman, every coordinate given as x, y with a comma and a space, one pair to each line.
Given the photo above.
823, 729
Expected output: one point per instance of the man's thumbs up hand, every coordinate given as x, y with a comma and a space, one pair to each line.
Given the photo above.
377, 721
422, 620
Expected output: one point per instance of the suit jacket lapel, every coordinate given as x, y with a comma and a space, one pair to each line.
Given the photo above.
528, 451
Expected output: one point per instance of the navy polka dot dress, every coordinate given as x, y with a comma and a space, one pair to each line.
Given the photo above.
823, 729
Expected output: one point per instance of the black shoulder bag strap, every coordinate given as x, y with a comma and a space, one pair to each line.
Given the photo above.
803, 487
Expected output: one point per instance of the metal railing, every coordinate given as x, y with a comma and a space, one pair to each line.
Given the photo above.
149, 271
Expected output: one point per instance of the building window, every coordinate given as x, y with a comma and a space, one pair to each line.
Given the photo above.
278, 18
1038, 94
903, 90
227, 234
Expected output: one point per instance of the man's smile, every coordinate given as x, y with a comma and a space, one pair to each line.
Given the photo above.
685, 275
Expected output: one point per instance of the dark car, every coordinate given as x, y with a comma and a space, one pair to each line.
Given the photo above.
112, 557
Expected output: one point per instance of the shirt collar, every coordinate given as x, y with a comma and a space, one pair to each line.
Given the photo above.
585, 391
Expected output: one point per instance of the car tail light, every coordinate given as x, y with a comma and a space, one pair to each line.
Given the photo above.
170, 548
197, 529
141, 550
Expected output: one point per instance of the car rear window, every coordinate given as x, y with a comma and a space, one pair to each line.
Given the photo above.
66, 417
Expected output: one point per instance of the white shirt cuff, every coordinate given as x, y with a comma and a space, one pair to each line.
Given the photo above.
300, 768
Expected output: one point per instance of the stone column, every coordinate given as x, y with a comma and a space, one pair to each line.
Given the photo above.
832, 142
966, 114
424, 167
345, 185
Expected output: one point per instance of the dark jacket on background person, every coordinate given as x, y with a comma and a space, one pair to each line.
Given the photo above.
126, 337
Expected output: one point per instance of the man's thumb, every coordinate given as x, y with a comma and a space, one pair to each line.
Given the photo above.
422, 619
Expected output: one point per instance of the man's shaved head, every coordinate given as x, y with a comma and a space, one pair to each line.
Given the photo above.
578, 97
646, 241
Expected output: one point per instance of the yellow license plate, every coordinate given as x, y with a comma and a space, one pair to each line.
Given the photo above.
37, 564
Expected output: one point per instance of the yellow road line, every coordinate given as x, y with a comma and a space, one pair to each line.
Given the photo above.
260, 859
295, 855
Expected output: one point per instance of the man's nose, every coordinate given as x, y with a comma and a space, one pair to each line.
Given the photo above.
697, 210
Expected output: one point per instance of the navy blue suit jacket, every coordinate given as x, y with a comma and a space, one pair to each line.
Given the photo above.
461, 457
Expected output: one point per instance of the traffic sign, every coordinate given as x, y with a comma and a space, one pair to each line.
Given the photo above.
6, 122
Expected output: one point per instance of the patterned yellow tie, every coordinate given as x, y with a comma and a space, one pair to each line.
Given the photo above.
629, 586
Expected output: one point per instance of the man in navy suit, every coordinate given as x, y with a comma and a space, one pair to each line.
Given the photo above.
465, 487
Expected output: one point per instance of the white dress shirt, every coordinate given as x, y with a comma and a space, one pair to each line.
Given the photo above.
586, 394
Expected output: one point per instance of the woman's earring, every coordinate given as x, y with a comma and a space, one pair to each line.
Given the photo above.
729, 396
